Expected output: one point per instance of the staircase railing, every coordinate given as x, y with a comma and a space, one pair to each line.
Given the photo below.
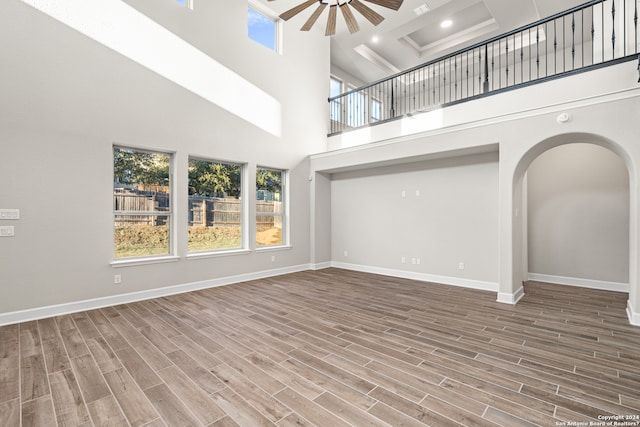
595, 34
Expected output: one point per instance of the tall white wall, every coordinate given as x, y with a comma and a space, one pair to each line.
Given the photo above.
578, 214
67, 99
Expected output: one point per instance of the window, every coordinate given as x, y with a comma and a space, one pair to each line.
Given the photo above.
187, 3
263, 29
375, 111
270, 207
335, 107
141, 203
215, 205
356, 108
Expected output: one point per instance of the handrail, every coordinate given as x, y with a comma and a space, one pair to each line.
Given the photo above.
443, 80
479, 44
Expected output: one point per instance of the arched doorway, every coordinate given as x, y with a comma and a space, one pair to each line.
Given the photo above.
517, 252
577, 217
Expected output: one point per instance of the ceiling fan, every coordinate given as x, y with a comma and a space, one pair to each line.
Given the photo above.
371, 15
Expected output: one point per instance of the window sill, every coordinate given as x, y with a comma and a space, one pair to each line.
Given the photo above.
273, 248
144, 261
216, 254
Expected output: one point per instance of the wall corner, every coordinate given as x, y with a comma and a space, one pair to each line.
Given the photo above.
507, 298
634, 316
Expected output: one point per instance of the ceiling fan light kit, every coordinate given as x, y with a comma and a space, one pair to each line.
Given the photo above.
345, 7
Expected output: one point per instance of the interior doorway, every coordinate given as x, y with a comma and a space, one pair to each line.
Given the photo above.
579, 186
577, 217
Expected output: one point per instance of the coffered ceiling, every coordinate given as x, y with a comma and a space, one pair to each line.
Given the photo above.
414, 35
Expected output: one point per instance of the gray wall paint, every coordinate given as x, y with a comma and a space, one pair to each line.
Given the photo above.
453, 219
578, 214
320, 219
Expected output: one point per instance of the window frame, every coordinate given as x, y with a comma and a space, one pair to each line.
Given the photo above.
336, 106
357, 99
278, 26
373, 119
243, 211
285, 235
187, 3
170, 213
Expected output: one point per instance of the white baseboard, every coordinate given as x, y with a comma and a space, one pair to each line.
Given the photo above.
507, 298
321, 265
583, 283
77, 306
90, 304
444, 280
634, 316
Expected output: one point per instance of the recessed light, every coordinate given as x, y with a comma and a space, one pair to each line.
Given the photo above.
375, 39
446, 23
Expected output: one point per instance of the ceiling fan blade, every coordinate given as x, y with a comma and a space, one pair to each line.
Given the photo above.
314, 17
331, 21
352, 24
390, 4
374, 17
297, 9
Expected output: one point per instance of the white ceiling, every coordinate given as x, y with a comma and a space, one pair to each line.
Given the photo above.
406, 39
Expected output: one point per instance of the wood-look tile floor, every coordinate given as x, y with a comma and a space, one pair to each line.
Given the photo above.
327, 348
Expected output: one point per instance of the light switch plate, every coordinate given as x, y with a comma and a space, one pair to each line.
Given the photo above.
7, 231
9, 213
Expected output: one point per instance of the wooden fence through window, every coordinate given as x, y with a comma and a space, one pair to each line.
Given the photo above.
202, 211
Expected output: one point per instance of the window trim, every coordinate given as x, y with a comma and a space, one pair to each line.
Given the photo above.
128, 262
216, 254
285, 234
244, 219
170, 214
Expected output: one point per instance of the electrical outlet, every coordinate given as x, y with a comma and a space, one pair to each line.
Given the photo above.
418, 261
346, 253
413, 261
403, 194
403, 260
273, 258
117, 279
461, 266
417, 193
